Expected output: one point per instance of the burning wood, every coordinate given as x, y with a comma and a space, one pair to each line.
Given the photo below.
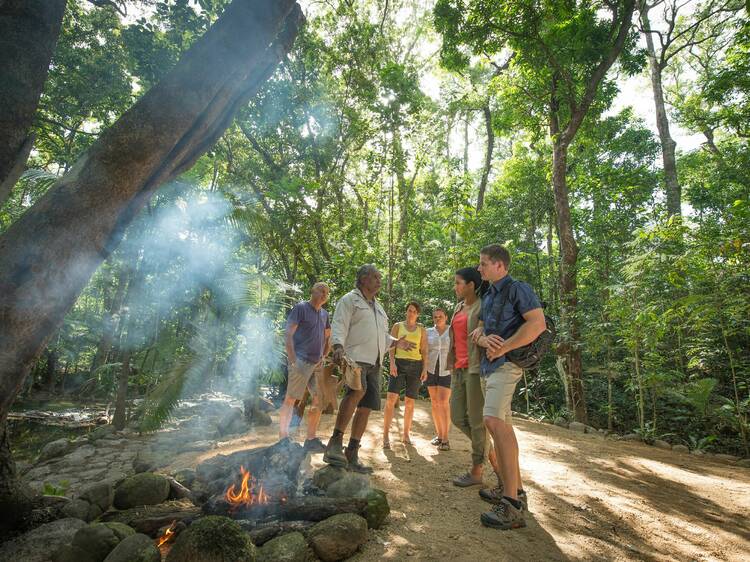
247, 495
167, 536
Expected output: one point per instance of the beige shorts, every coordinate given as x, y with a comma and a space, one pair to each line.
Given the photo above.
303, 375
498, 388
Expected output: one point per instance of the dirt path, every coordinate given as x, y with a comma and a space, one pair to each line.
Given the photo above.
589, 499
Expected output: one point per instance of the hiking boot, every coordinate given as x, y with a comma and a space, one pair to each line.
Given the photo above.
352, 455
333, 454
466, 480
504, 516
314, 446
495, 496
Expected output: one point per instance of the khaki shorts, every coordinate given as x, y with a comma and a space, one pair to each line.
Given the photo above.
303, 375
498, 388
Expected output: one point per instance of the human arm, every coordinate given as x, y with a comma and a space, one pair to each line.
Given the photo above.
392, 352
291, 327
342, 317
534, 324
327, 344
424, 350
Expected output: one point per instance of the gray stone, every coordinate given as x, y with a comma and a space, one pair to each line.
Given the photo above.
70, 553
229, 422
662, 444
697, 452
291, 547
680, 449
577, 426
38, 544
327, 475
144, 462
121, 530
186, 477
591, 429
101, 432
79, 455
261, 418
349, 486
135, 548
55, 449
97, 540
197, 446
39, 472
377, 507
631, 437
561, 423
338, 537
79, 509
744, 463
213, 539
142, 489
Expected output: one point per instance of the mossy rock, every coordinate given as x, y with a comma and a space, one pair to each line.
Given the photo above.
135, 548
213, 539
324, 477
338, 537
141, 489
291, 547
377, 507
120, 530
96, 540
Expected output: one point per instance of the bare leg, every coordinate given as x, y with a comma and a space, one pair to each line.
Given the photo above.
443, 396
390, 404
506, 449
435, 407
360, 423
408, 416
346, 409
285, 416
313, 417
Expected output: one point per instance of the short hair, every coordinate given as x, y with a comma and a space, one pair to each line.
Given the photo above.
319, 286
364, 271
416, 305
438, 309
496, 253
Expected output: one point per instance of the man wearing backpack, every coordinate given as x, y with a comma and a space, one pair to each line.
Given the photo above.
512, 317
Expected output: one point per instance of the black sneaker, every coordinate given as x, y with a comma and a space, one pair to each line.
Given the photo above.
504, 516
495, 496
352, 456
314, 446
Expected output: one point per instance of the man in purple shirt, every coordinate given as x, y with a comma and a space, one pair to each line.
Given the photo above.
308, 330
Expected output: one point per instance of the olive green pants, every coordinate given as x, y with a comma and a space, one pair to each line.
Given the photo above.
467, 403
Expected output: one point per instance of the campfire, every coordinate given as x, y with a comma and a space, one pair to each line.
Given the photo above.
167, 536
247, 494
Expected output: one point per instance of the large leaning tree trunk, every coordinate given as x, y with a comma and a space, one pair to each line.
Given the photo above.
52, 251
28, 35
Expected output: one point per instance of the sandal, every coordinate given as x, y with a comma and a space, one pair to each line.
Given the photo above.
386, 444
444, 446
407, 441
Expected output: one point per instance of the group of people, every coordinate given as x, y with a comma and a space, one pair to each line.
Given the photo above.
462, 362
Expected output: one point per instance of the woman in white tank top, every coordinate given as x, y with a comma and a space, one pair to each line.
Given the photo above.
439, 376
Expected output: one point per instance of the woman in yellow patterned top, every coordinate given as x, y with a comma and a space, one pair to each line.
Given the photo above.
408, 369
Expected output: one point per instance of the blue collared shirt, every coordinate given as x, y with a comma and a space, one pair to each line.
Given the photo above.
504, 317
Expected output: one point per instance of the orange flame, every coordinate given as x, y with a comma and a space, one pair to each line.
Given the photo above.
167, 536
246, 496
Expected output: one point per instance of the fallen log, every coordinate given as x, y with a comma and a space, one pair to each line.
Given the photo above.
305, 508
261, 533
149, 519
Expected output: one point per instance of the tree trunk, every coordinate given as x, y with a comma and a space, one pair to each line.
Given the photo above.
15, 498
110, 322
50, 253
568, 280
668, 145
119, 418
487, 156
28, 35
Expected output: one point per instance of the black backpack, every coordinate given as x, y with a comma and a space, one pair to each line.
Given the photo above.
530, 355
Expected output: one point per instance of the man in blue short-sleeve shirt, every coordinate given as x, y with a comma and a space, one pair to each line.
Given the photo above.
512, 317
308, 330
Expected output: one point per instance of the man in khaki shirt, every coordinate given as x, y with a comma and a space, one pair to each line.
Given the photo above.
359, 331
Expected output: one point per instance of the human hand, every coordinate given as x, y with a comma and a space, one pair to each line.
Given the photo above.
423, 376
402, 343
338, 354
393, 370
476, 334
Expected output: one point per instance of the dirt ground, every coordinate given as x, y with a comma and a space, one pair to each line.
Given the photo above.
589, 498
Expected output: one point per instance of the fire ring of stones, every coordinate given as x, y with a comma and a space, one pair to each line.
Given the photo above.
250, 505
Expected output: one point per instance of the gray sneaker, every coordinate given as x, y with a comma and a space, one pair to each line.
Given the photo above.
504, 516
495, 496
466, 480
314, 445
